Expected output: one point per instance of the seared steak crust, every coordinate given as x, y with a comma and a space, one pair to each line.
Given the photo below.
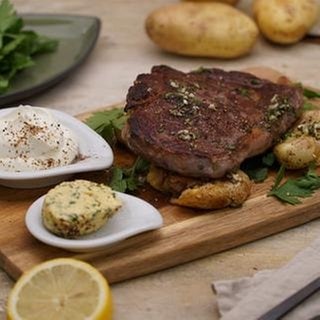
206, 122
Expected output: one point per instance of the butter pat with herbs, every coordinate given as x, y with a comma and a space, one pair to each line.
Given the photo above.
79, 207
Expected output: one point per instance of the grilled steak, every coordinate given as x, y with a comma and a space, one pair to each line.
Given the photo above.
206, 122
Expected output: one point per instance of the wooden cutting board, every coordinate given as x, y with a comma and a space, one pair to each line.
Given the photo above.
187, 234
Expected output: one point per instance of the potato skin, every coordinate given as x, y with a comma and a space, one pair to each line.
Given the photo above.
285, 21
190, 192
217, 194
231, 2
302, 146
202, 29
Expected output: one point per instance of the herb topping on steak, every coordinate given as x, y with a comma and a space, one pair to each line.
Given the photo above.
206, 122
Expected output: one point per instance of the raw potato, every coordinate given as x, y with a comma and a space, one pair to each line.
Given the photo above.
285, 21
202, 30
302, 146
219, 193
232, 2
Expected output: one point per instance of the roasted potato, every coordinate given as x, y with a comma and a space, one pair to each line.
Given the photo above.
285, 21
301, 147
202, 30
190, 192
232, 2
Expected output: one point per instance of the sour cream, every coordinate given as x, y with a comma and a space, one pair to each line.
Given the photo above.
32, 139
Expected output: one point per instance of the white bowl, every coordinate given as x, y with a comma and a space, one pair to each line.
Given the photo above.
135, 216
95, 152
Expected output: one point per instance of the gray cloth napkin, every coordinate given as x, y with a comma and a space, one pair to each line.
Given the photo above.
250, 298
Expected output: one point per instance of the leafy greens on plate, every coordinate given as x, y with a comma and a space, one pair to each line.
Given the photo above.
18, 46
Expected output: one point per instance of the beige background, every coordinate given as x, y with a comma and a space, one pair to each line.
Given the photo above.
123, 51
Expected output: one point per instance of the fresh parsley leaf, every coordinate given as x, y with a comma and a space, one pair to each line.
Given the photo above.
268, 159
258, 174
293, 189
310, 94
3, 84
117, 182
141, 165
102, 118
43, 44
12, 45
18, 46
257, 168
279, 177
8, 17
106, 123
129, 179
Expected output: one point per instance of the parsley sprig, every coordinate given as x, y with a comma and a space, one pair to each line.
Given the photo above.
18, 46
293, 189
107, 123
310, 94
257, 168
129, 179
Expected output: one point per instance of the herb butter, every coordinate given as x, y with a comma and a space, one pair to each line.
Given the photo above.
78, 207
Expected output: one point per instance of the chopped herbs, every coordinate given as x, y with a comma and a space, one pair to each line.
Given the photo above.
107, 123
201, 69
293, 189
311, 129
129, 179
18, 46
186, 135
277, 108
243, 92
255, 82
183, 99
185, 104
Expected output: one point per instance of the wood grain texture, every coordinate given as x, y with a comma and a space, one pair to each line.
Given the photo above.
187, 234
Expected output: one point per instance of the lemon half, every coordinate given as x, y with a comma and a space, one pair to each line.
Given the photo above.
61, 289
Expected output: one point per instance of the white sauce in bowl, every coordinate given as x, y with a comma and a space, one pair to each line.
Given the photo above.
31, 139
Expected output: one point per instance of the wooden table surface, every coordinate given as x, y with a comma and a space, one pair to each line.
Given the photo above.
123, 51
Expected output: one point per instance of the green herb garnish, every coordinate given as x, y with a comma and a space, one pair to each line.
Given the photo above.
310, 94
309, 106
107, 123
293, 189
18, 46
243, 92
257, 168
129, 179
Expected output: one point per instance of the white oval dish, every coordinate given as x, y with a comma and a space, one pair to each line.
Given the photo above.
135, 216
95, 153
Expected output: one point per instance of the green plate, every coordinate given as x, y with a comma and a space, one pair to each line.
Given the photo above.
77, 36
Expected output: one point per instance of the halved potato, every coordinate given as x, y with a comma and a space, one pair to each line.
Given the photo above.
301, 147
232, 190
